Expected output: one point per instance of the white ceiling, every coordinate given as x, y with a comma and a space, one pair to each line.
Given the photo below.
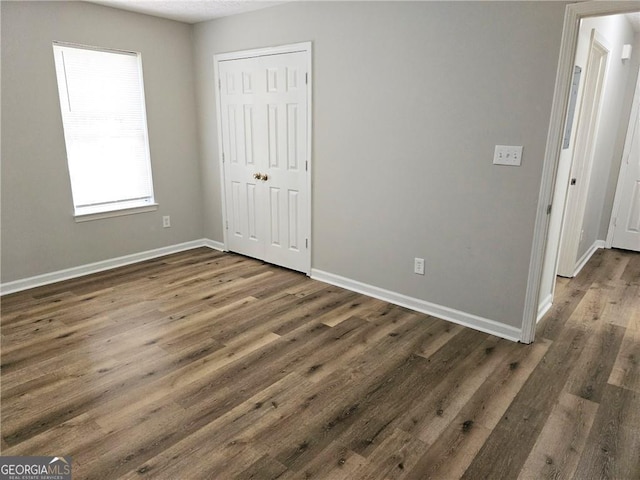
189, 11
194, 11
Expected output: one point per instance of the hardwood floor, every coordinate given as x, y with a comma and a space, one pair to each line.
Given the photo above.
214, 366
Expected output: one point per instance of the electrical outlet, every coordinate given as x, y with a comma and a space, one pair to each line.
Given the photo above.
418, 266
166, 221
507, 155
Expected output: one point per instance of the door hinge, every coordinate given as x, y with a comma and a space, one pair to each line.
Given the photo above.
306, 78
548, 209
222, 157
219, 84
306, 243
615, 221
306, 166
226, 225
573, 181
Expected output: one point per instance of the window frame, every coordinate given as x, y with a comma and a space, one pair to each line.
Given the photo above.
113, 208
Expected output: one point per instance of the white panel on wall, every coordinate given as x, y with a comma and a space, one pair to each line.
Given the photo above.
292, 136
274, 203
293, 219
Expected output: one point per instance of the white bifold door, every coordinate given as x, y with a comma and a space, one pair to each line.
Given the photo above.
264, 130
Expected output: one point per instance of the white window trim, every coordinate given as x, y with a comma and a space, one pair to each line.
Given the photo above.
111, 210
115, 212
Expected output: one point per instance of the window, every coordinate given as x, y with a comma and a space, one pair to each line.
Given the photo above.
105, 130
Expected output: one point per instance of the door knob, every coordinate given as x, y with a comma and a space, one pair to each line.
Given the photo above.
257, 176
265, 177
261, 176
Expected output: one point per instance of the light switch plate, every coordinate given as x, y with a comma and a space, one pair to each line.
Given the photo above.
507, 155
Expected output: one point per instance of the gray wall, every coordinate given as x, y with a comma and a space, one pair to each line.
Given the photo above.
39, 234
614, 116
409, 100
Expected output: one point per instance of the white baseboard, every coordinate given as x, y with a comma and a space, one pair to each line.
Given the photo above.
588, 254
456, 316
74, 272
544, 307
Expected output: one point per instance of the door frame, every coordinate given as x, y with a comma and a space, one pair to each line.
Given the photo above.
304, 47
586, 134
635, 105
573, 14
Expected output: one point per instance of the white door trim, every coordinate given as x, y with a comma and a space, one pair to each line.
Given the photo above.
635, 105
573, 14
260, 52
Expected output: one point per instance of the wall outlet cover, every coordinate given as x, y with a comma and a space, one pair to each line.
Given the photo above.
510, 155
418, 266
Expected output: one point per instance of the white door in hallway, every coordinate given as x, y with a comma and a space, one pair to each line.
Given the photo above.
626, 232
264, 126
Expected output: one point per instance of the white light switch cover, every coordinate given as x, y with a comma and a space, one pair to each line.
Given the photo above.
508, 155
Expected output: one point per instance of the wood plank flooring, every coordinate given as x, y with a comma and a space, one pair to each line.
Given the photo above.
207, 365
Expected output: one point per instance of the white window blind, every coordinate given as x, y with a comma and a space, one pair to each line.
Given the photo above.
105, 128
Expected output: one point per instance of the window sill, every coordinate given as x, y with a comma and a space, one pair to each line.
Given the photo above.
87, 217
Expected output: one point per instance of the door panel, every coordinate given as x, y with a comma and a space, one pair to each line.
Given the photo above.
294, 237
248, 135
292, 135
252, 213
626, 233
274, 216
264, 133
272, 132
587, 127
